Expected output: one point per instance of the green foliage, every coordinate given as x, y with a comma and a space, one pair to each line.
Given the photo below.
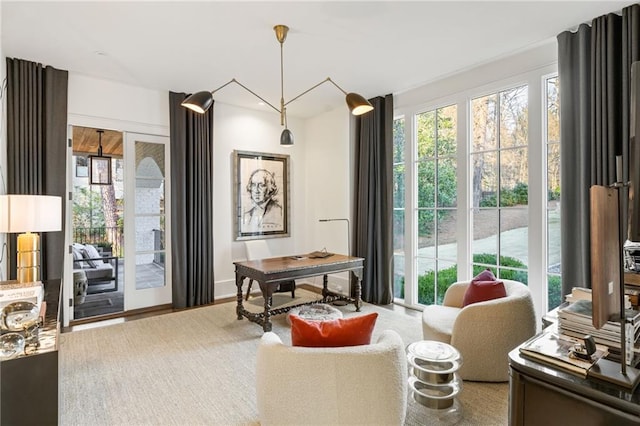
554, 292
426, 288
87, 208
518, 195
447, 276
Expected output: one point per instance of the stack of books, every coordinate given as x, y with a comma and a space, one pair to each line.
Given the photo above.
575, 321
557, 351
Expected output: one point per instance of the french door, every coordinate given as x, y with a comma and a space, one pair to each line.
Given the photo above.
139, 262
147, 218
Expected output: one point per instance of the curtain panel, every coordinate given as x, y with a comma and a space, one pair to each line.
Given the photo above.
373, 203
191, 204
37, 148
594, 69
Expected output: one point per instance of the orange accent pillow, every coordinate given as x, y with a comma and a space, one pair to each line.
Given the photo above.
350, 331
483, 287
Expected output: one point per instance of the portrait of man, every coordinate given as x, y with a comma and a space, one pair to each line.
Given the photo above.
262, 200
265, 211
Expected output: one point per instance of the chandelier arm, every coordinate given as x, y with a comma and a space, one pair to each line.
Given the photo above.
233, 80
310, 89
335, 84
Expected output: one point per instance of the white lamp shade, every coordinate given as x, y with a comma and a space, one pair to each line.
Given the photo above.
30, 213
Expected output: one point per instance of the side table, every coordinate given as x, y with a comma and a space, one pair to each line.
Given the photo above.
433, 381
29, 385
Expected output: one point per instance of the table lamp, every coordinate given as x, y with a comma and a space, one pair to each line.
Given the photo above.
28, 214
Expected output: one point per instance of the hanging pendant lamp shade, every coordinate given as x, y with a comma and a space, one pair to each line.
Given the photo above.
199, 102
286, 138
357, 104
99, 165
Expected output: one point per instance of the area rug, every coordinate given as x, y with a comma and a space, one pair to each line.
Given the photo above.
197, 367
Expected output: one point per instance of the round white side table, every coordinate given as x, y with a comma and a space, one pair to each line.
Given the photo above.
433, 379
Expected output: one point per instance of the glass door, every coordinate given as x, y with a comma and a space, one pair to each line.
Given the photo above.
96, 218
147, 218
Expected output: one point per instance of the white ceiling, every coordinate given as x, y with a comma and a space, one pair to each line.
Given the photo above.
370, 47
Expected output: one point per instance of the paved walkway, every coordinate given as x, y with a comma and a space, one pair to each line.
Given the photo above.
514, 243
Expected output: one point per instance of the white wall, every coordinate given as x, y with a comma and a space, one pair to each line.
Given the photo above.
522, 62
318, 163
248, 130
117, 106
329, 177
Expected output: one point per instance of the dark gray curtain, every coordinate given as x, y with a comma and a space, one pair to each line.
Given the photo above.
191, 204
36, 148
373, 203
594, 68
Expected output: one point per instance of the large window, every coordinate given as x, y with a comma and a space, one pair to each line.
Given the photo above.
398, 208
554, 287
435, 210
499, 170
476, 186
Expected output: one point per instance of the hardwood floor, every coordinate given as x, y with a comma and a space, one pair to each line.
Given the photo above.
104, 320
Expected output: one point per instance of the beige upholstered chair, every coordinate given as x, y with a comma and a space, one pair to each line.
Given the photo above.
353, 385
483, 332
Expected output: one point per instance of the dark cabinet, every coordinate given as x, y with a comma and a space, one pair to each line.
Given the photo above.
29, 383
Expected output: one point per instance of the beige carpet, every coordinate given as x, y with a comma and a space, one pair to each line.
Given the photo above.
197, 367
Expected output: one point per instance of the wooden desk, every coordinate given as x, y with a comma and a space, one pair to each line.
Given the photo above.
269, 272
541, 395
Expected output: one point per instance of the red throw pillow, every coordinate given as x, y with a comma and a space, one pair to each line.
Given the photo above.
350, 331
484, 286
486, 275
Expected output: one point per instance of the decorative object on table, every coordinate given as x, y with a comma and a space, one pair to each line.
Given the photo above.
261, 182
23, 317
28, 214
13, 291
607, 232
433, 379
202, 101
11, 345
99, 165
315, 312
558, 351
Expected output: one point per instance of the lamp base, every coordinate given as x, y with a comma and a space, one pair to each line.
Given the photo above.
28, 259
611, 372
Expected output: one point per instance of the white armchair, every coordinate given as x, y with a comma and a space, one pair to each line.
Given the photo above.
483, 332
354, 385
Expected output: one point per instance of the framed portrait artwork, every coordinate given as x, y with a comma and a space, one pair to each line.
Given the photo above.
261, 183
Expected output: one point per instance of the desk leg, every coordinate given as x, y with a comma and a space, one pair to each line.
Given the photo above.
267, 294
325, 287
358, 292
239, 307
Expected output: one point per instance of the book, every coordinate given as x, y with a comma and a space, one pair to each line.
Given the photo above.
584, 308
556, 350
13, 291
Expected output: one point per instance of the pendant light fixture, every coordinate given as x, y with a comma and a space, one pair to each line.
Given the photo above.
99, 165
201, 101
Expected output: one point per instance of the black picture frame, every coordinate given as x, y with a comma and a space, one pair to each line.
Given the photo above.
262, 195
